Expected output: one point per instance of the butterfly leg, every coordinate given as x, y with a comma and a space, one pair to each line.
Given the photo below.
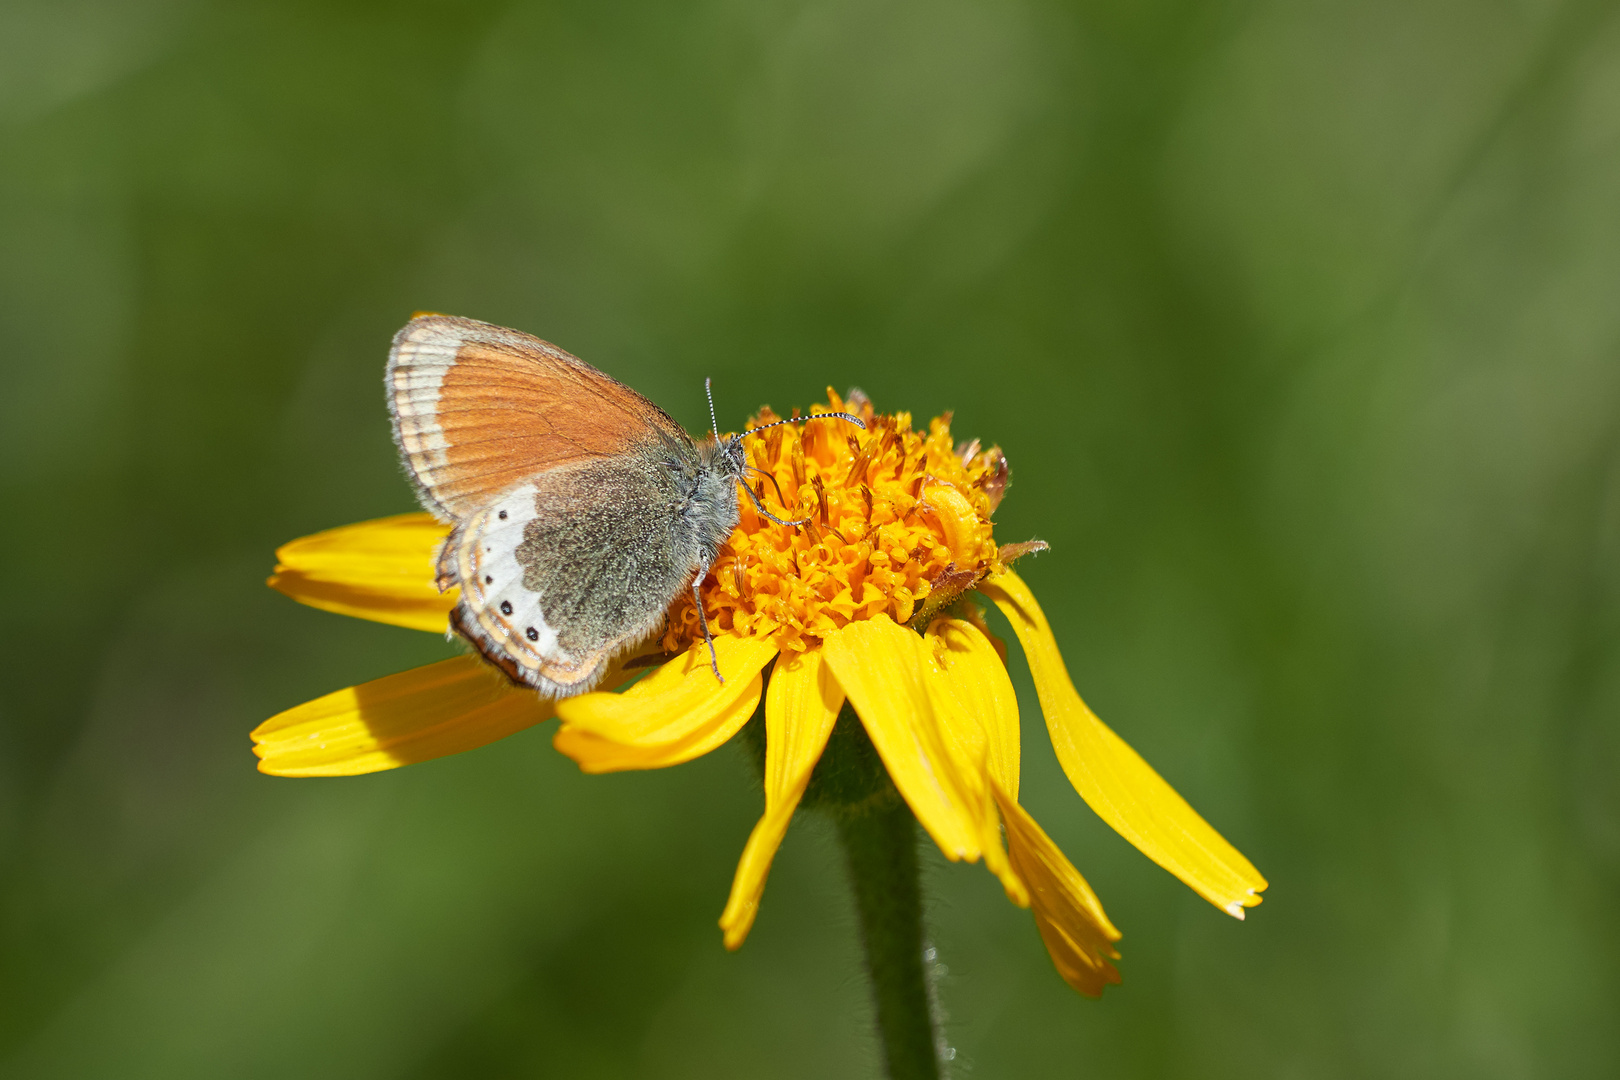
697, 598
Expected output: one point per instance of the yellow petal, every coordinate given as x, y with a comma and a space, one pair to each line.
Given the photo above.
1121, 787
679, 712
424, 713
880, 666
594, 754
801, 708
976, 707
381, 570
978, 677
1069, 915
1079, 968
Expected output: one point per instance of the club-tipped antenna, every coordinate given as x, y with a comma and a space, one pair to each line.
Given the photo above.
851, 417
714, 423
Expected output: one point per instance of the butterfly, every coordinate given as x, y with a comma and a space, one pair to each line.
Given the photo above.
579, 510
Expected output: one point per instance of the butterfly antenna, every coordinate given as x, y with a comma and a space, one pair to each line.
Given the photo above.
714, 424
851, 417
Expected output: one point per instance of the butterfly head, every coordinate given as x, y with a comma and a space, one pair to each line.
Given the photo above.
725, 454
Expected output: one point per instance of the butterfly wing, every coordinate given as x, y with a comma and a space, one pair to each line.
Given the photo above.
478, 409
571, 568
563, 486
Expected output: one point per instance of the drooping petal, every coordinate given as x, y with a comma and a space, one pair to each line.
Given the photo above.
1121, 787
976, 706
678, 712
1071, 920
880, 666
1078, 967
801, 707
978, 677
417, 715
381, 570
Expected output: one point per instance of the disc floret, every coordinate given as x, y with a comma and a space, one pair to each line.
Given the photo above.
893, 518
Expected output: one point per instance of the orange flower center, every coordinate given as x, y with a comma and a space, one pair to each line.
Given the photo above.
894, 516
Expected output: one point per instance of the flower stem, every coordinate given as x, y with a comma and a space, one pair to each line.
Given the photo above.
879, 837
881, 848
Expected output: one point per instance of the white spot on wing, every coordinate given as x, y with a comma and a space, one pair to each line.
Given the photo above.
498, 542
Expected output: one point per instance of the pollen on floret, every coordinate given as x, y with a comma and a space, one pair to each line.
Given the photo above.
894, 516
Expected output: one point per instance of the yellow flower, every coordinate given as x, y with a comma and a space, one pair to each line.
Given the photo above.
899, 529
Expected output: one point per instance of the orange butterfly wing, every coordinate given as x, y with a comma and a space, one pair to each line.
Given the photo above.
479, 408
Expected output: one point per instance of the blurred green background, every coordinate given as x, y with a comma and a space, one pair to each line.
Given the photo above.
1299, 322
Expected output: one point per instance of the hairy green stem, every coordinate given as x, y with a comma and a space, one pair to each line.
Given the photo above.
881, 848
879, 836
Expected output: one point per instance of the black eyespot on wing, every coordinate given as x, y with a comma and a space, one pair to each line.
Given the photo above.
488, 580
533, 634
503, 515
506, 607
